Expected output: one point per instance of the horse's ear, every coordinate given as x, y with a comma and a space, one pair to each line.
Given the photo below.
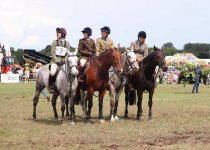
155, 48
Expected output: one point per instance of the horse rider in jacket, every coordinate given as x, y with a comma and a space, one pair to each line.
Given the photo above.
104, 42
140, 47
59, 50
86, 48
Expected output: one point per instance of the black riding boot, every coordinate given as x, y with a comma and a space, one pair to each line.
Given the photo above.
51, 84
81, 75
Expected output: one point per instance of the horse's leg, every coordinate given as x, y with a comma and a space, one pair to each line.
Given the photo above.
90, 103
83, 103
101, 97
36, 98
116, 102
72, 98
139, 104
54, 100
62, 106
67, 104
151, 92
112, 93
126, 90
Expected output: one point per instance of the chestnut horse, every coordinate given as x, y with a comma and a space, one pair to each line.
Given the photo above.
144, 80
96, 79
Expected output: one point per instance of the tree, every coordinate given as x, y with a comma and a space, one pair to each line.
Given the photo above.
169, 49
18, 56
201, 50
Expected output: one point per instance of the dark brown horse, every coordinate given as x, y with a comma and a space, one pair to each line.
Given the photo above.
144, 80
97, 77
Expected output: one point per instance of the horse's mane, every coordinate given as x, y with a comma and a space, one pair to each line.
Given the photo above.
148, 56
101, 55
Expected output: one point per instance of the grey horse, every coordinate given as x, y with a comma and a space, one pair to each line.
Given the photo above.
117, 81
66, 84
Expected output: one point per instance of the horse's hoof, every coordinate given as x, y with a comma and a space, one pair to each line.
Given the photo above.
112, 119
102, 121
150, 119
126, 116
87, 121
138, 118
116, 118
72, 123
56, 119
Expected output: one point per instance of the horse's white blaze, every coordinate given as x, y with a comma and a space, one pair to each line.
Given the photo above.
132, 58
73, 63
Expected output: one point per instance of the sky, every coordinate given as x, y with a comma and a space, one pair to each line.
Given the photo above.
31, 24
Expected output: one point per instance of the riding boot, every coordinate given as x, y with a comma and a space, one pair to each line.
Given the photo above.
82, 75
51, 84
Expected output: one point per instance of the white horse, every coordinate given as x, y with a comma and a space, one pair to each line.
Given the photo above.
66, 84
118, 80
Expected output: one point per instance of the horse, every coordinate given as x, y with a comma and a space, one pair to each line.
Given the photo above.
96, 79
66, 85
117, 80
144, 80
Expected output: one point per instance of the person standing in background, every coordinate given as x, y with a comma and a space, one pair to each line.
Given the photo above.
198, 73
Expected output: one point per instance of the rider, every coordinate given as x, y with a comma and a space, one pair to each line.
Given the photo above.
140, 47
59, 50
86, 49
104, 43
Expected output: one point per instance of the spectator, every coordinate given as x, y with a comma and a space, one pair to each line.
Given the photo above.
198, 73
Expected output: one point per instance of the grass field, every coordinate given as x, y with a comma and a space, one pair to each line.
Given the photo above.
181, 120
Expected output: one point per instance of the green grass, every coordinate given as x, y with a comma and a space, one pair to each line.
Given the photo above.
181, 120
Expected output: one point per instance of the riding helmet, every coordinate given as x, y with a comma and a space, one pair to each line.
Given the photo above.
106, 29
87, 30
62, 31
142, 34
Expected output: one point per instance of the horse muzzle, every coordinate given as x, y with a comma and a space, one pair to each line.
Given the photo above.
164, 68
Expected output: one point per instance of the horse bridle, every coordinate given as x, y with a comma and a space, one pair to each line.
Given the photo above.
159, 64
68, 68
130, 63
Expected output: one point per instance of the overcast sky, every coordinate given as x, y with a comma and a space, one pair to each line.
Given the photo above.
31, 23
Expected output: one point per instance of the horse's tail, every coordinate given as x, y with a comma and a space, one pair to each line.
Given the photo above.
130, 96
77, 98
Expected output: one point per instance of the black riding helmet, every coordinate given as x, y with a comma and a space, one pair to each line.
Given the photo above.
62, 31
142, 34
106, 29
87, 30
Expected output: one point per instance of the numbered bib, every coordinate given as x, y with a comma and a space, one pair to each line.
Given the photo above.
60, 51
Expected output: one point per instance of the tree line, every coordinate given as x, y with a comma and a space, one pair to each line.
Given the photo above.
201, 50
